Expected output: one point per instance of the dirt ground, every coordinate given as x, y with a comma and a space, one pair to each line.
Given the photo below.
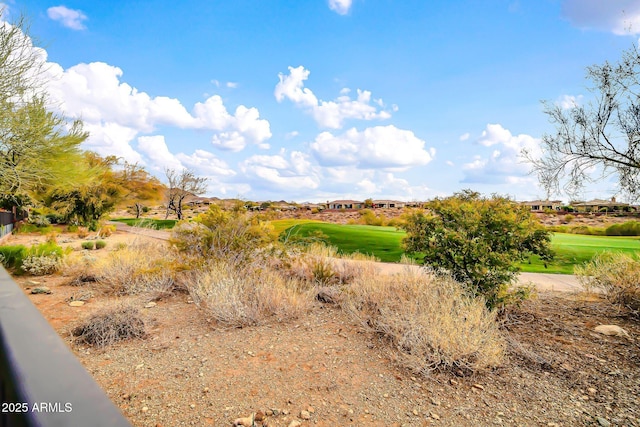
324, 370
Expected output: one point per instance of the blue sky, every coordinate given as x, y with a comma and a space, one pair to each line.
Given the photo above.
314, 100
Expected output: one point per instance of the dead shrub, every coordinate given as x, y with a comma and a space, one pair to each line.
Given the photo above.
110, 326
429, 319
321, 265
617, 275
141, 267
237, 297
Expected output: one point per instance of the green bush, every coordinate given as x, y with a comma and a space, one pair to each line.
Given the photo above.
88, 245
100, 244
46, 249
13, 255
629, 228
478, 241
34, 228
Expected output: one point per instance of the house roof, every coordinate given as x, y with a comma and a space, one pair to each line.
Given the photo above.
346, 201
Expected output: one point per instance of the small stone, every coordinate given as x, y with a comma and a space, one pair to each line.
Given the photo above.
385, 395
311, 410
434, 416
145, 409
41, 290
295, 423
192, 406
150, 304
603, 422
415, 412
592, 391
305, 415
612, 330
478, 387
76, 303
435, 402
500, 414
453, 382
205, 390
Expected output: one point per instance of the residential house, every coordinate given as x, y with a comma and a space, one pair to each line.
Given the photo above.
388, 204
542, 205
345, 204
600, 205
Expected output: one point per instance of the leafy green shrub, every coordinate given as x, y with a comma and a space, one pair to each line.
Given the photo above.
146, 209
12, 256
617, 274
72, 228
47, 248
100, 244
88, 245
368, 217
34, 228
629, 228
478, 241
568, 218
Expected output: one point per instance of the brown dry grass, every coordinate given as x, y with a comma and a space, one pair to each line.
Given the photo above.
429, 320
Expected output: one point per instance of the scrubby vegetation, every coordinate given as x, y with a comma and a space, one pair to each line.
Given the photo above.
110, 326
478, 240
615, 273
429, 319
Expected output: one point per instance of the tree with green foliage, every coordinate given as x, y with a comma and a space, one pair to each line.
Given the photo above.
604, 133
87, 202
39, 149
477, 240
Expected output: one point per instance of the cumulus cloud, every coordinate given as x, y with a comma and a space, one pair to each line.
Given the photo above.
465, 136
505, 163
95, 93
621, 17
280, 172
341, 7
377, 147
69, 18
329, 114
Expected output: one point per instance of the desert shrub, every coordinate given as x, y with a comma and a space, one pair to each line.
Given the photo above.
232, 236
110, 326
72, 228
82, 232
107, 230
100, 244
616, 274
41, 265
368, 217
629, 228
478, 240
237, 296
34, 228
568, 218
42, 259
431, 320
88, 245
13, 255
39, 220
321, 265
140, 267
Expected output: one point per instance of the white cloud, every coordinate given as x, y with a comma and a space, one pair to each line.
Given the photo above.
329, 114
569, 101
465, 136
232, 85
505, 162
621, 17
341, 7
377, 147
155, 149
70, 18
95, 93
276, 172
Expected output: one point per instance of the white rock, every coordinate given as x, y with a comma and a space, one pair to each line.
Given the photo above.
612, 330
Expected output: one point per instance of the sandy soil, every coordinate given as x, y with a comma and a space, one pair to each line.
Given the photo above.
188, 372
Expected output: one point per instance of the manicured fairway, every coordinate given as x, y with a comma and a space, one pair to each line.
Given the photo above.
572, 249
386, 244
382, 242
157, 224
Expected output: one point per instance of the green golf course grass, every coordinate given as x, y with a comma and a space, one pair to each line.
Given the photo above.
385, 243
157, 224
